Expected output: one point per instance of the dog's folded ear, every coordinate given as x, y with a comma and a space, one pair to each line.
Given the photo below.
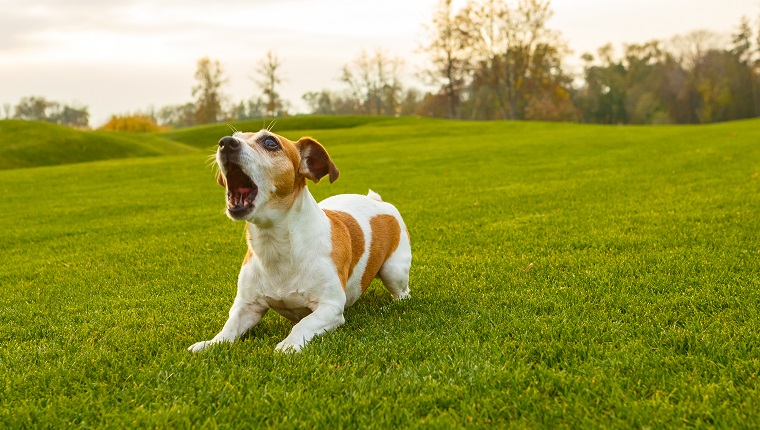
315, 162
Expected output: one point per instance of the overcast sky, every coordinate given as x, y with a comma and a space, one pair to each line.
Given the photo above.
123, 56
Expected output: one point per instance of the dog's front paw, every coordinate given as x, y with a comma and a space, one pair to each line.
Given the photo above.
403, 295
289, 347
200, 346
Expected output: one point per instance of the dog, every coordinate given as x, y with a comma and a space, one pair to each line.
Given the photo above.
305, 260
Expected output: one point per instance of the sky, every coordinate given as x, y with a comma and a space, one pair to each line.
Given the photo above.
123, 56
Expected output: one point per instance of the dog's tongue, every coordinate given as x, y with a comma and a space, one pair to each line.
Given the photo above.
244, 193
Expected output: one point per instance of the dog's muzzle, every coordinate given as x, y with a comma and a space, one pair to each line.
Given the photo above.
241, 190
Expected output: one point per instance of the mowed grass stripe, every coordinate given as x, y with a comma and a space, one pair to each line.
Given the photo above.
640, 307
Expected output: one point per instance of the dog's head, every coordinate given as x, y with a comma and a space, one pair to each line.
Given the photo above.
264, 173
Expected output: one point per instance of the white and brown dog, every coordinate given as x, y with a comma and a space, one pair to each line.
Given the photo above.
307, 261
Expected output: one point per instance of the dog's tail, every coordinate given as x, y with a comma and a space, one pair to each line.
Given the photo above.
373, 195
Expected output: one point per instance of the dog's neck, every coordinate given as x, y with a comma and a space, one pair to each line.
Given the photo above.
279, 241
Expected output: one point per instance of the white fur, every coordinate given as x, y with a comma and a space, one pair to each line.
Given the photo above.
291, 270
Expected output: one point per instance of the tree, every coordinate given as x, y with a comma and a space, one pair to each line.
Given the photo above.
602, 99
723, 83
516, 54
73, 116
481, 24
741, 42
177, 116
533, 55
410, 102
33, 109
357, 77
741, 48
320, 102
248, 109
690, 47
41, 109
373, 82
207, 90
448, 59
389, 84
268, 70
433, 106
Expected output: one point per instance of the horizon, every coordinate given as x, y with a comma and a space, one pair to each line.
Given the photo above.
124, 58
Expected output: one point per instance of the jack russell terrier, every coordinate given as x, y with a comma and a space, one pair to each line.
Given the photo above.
307, 261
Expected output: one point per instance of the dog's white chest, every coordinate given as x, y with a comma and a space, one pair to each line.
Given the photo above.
293, 293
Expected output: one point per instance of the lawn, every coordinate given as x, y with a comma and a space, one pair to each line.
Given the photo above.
563, 276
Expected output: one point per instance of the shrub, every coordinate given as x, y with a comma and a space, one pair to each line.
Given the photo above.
132, 123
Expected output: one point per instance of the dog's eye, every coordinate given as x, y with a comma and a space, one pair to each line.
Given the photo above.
271, 144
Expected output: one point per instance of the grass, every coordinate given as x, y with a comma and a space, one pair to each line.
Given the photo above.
640, 308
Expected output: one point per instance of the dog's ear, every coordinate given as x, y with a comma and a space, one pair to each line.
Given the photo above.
220, 179
315, 162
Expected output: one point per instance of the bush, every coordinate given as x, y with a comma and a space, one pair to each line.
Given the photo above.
132, 123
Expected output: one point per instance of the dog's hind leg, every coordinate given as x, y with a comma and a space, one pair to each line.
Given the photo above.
243, 317
395, 272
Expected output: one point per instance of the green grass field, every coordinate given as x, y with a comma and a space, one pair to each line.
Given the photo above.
563, 276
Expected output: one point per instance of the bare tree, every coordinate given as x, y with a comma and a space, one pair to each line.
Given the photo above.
514, 50
207, 90
358, 77
269, 73
446, 50
533, 51
374, 83
481, 25
689, 48
389, 89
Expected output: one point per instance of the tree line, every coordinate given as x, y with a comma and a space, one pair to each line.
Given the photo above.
498, 60
40, 109
493, 60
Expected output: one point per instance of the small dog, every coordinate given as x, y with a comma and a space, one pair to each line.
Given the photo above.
307, 261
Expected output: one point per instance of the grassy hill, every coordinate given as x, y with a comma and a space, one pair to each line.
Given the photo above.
205, 137
563, 276
32, 144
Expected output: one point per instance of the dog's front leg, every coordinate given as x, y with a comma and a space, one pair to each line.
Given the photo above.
243, 316
326, 317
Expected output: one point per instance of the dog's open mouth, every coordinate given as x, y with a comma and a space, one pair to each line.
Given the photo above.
241, 191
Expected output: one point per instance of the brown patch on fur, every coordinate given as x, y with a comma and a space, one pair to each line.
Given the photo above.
386, 234
291, 151
249, 253
347, 243
288, 181
248, 256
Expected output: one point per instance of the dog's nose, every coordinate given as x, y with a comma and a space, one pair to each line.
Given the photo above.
228, 143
